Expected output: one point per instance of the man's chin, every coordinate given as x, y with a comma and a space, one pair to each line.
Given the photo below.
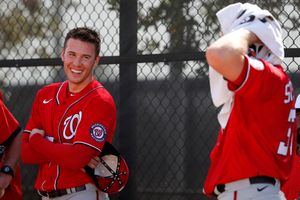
75, 79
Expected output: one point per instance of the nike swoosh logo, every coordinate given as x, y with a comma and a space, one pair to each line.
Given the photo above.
46, 101
261, 189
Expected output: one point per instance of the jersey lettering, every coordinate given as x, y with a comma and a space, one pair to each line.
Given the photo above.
289, 93
285, 146
71, 122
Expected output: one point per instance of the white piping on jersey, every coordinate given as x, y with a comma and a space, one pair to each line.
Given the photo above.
42, 186
73, 105
87, 144
56, 179
57, 100
246, 78
58, 169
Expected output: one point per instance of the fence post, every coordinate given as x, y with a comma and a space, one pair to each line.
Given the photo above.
128, 82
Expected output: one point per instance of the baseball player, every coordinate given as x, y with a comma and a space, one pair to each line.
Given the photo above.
254, 149
69, 123
291, 188
10, 143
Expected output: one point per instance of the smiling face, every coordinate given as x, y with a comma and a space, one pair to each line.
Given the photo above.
79, 60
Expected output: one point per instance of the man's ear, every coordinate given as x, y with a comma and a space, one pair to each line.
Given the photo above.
97, 60
62, 54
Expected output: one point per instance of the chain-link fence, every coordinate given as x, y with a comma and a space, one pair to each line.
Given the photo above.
154, 66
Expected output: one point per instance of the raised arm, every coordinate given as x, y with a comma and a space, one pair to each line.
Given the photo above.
226, 55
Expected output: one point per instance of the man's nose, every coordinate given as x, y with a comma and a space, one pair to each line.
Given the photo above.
77, 62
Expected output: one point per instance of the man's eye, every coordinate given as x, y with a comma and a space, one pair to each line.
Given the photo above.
87, 57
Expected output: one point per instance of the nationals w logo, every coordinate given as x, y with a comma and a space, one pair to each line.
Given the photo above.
71, 124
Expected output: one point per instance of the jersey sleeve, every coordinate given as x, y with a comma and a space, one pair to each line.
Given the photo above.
35, 118
71, 156
28, 155
98, 124
259, 78
8, 124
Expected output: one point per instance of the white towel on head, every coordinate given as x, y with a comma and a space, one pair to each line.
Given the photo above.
264, 25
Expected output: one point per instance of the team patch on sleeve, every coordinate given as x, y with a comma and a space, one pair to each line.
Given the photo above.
98, 132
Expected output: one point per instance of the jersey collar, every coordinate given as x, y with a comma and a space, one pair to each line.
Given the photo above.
61, 95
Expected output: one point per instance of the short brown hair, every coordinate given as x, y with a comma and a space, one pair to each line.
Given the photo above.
86, 35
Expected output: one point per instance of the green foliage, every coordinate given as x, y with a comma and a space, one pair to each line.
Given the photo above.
114, 4
187, 31
17, 27
178, 24
30, 20
19, 24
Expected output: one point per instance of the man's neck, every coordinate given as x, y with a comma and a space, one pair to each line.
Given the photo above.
76, 88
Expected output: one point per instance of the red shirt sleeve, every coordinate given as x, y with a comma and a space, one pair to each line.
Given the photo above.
239, 81
35, 118
8, 124
28, 155
99, 126
72, 156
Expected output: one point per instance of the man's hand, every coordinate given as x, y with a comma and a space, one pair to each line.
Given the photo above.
37, 131
5, 180
94, 162
2, 192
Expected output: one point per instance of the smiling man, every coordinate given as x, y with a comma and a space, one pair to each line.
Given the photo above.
69, 123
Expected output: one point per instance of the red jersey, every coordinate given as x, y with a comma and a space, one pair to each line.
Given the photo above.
88, 118
10, 127
259, 137
291, 188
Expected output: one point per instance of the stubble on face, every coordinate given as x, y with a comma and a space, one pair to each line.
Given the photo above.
79, 61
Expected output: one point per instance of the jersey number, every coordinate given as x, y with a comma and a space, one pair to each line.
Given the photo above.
286, 145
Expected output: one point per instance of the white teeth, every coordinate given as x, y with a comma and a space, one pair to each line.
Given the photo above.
75, 71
